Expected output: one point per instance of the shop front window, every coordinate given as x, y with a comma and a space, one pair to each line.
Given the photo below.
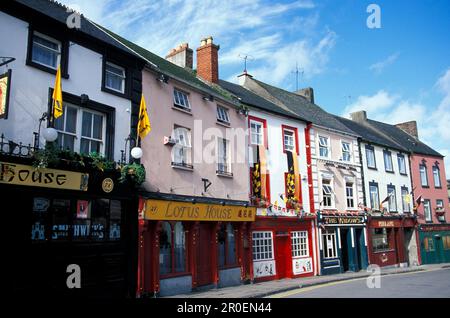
262, 246
165, 249
172, 248
299, 241
380, 239
227, 245
428, 244
329, 244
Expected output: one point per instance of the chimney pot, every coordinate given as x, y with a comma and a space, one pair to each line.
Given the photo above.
182, 56
307, 92
410, 127
208, 60
360, 116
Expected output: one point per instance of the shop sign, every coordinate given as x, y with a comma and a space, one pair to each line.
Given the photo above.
264, 268
11, 173
432, 228
386, 224
302, 265
185, 211
341, 220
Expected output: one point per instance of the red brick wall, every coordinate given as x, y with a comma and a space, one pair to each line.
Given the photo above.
208, 62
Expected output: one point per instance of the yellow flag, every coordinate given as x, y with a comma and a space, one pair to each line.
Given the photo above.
143, 127
57, 96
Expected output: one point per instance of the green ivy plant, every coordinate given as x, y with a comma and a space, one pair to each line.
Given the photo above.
133, 172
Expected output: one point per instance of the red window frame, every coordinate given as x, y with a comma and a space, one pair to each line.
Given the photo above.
264, 123
295, 131
300, 200
173, 273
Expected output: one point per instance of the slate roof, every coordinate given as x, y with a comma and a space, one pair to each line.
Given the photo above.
305, 109
59, 13
173, 70
370, 134
408, 141
251, 99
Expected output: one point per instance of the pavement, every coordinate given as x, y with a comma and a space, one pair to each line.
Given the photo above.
264, 289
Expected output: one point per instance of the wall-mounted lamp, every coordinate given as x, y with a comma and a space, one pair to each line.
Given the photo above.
208, 98
135, 152
163, 78
50, 134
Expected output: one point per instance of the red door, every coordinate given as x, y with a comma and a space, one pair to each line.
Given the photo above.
204, 255
282, 255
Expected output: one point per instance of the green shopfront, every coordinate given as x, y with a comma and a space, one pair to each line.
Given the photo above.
434, 243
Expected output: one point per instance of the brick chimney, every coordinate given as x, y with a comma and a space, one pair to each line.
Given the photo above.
307, 92
208, 60
181, 56
360, 117
409, 127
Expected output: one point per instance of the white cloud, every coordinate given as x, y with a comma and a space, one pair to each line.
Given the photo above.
432, 121
379, 67
276, 35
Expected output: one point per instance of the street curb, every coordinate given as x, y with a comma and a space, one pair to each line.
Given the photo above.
286, 289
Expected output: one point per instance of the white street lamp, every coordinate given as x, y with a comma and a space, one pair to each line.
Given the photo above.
50, 134
136, 153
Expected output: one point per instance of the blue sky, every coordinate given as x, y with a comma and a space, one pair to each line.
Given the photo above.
397, 73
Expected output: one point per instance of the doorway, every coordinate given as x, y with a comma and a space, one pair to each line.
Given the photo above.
283, 256
359, 242
204, 255
344, 249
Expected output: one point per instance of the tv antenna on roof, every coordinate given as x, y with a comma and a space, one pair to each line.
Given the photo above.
297, 72
245, 57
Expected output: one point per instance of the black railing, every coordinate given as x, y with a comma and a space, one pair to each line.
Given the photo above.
11, 148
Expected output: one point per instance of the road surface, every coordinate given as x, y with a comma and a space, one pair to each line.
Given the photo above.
426, 284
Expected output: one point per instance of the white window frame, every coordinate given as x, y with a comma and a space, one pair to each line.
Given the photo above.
78, 127
423, 173
290, 146
401, 164
184, 144
50, 39
263, 251
352, 197
392, 202
375, 204
436, 176
388, 155
427, 210
224, 161
256, 137
223, 115
405, 205
372, 151
441, 218
299, 244
181, 99
346, 151
329, 252
122, 76
328, 190
325, 146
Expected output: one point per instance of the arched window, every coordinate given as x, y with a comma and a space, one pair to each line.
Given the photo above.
165, 249
180, 248
226, 245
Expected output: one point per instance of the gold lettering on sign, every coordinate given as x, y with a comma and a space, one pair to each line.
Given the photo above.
17, 174
187, 211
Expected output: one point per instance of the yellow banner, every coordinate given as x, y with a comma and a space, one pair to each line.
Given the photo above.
11, 173
185, 211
